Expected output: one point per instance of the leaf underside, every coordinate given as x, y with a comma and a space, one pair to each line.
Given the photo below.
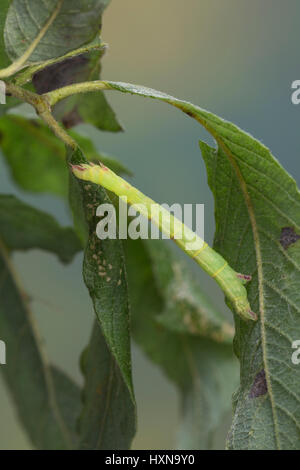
47, 401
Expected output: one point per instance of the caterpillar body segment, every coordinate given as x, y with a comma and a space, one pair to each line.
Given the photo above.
231, 282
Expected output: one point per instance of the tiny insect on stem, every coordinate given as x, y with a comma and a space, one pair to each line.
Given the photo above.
212, 262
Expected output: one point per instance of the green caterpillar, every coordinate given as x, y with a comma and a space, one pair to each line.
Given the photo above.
214, 264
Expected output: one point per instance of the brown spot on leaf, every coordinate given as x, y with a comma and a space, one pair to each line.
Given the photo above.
259, 387
288, 237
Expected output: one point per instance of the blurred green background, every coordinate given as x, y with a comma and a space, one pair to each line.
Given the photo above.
236, 58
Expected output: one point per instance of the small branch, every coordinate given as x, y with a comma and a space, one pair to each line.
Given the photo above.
43, 109
61, 93
18, 64
58, 130
21, 94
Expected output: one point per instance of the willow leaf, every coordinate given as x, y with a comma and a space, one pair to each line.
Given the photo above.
4, 60
53, 27
105, 277
107, 420
268, 397
45, 168
46, 400
22, 227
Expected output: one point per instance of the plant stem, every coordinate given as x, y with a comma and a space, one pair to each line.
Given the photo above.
43, 109
57, 95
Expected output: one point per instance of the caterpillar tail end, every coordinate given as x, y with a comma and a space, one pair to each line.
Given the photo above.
246, 313
242, 305
253, 315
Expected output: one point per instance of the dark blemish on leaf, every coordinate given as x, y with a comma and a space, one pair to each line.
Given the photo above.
64, 73
259, 387
288, 237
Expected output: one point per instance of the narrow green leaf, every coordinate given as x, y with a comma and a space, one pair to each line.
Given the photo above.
268, 397
23, 227
108, 416
76, 22
46, 400
37, 158
4, 60
204, 370
105, 277
109, 291
34, 155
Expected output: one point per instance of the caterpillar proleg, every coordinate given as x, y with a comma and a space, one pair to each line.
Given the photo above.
212, 262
